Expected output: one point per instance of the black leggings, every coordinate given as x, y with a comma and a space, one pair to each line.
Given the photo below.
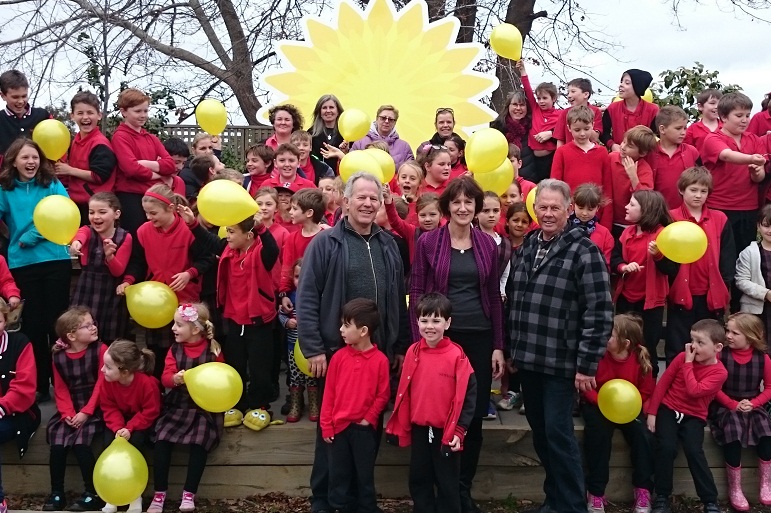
733, 452
58, 464
162, 462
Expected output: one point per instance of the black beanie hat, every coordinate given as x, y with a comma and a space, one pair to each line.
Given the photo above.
641, 80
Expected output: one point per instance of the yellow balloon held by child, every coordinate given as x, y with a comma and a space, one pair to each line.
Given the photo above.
506, 41
498, 180
120, 474
353, 124
619, 401
300, 360
683, 242
359, 160
215, 386
211, 116
57, 218
53, 137
385, 161
486, 149
151, 304
225, 203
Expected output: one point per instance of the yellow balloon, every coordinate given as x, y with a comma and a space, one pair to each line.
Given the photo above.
152, 304
53, 137
215, 386
616, 98
683, 242
506, 41
57, 218
485, 150
225, 203
300, 360
619, 401
211, 116
386, 162
648, 96
222, 233
530, 202
356, 161
498, 180
120, 473
353, 124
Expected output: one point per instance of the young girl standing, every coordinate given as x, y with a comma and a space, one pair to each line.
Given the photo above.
40, 268
753, 273
456, 146
77, 357
104, 250
739, 417
172, 250
182, 421
488, 219
626, 358
518, 223
587, 200
130, 399
435, 162
645, 272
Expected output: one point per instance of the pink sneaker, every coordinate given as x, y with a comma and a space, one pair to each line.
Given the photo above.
188, 502
156, 506
3, 507
642, 500
595, 504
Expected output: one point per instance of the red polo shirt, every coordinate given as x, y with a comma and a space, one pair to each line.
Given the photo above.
732, 187
667, 170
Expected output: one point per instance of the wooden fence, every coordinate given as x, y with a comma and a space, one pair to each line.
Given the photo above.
237, 138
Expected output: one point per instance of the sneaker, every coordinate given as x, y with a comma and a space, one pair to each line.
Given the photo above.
642, 500
3, 507
88, 502
491, 415
110, 508
156, 506
135, 506
595, 503
55, 502
510, 401
661, 505
711, 507
188, 502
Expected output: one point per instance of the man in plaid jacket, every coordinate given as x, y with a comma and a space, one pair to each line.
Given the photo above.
561, 317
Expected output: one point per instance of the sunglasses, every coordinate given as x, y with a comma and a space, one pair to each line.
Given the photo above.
444, 110
386, 119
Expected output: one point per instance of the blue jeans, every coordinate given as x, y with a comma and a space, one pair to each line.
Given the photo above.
549, 410
7, 433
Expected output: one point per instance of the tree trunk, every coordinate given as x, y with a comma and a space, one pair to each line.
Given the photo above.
466, 12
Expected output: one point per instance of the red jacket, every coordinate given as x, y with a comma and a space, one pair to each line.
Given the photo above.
621, 189
441, 388
649, 283
79, 157
19, 395
667, 170
603, 239
617, 120
131, 146
8, 288
628, 369
357, 388
541, 120
134, 407
562, 130
697, 132
575, 167
713, 222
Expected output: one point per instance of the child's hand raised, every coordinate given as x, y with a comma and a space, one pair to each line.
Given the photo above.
387, 196
690, 353
520, 65
186, 214
630, 166
110, 248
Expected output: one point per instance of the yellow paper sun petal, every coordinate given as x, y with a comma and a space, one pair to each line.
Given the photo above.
381, 56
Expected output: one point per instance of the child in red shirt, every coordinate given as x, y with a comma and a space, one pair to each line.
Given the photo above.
631, 111
587, 201
706, 103
626, 358
760, 124
429, 218
314, 168
644, 271
307, 211
677, 411
286, 181
355, 394
540, 137
579, 90
670, 157
700, 289
435, 404
259, 166
332, 188
435, 163
456, 146
629, 172
130, 399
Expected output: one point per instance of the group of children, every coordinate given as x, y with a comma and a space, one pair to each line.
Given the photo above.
136, 195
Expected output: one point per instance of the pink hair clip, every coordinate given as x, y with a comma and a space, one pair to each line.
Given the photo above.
61, 344
188, 312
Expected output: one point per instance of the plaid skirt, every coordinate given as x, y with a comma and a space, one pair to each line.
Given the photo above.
729, 426
58, 432
190, 426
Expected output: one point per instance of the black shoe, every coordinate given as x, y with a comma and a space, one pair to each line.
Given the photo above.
55, 502
661, 505
286, 407
711, 507
87, 502
276, 393
467, 504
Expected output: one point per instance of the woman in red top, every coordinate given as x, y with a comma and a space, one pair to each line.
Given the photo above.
285, 120
645, 272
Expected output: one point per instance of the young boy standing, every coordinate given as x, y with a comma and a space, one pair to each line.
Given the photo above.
355, 394
434, 406
631, 111
709, 123
629, 172
700, 289
307, 211
579, 92
259, 164
671, 156
18, 118
313, 168
678, 411
286, 181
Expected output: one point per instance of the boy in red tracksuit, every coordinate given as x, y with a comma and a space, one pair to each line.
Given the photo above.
706, 102
434, 406
671, 156
307, 211
630, 111
579, 92
701, 289
355, 394
544, 118
677, 411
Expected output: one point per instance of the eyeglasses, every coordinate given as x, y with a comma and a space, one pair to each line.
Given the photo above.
87, 326
444, 110
386, 119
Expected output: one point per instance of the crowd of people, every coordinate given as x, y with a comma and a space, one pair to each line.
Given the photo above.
416, 293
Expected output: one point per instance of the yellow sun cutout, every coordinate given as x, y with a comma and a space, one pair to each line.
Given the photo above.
378, 56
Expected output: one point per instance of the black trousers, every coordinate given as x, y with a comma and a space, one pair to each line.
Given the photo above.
598, 441
132, 215
45, 288
679, 322
732, 452
434, 478
162, 462
543, 166
351, 458
653, 325
249, 349
7, 433
672, 428
57, 464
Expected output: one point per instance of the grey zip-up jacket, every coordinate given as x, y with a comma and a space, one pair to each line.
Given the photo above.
321, 293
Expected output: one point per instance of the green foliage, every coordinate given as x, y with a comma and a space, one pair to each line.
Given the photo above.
229, 157
681, 86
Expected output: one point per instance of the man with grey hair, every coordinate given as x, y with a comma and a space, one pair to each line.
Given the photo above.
353, 259
561, 317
